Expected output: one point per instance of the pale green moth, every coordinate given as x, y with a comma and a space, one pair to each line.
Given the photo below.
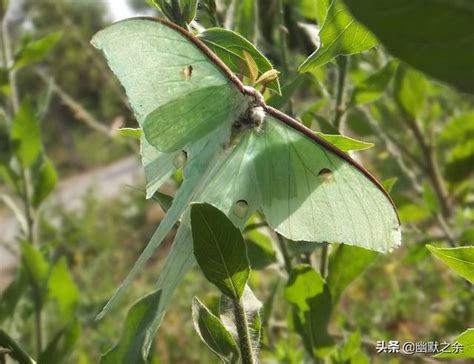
239, 154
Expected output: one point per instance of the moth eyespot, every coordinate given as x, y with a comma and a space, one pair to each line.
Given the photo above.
241, 208
180, 159
326, 175
187, 72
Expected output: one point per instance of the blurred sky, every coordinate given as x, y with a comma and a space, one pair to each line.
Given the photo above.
120, 9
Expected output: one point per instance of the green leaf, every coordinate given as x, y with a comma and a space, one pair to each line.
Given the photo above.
213, 333
10, 297
460, 161
260, 253
410, 91
189, 10
287, 92
351, 347
389, 183
37, 50
312, 306
229, 47
63, 290
25, 135
219, 248
340, 34
164, 200
44, 181
16, 351
461, 259
466, 339
430, 198
373, 87
246, 20
440, 50
136, 331
345, 143
311, 9
460, 127
36, 265
130, 132
62, 344
346, 263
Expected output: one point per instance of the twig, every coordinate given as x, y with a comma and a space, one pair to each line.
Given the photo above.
397, 153
80, 112
432, 167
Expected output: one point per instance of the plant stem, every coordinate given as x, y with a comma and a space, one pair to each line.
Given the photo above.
241, 323
284, 47
24, 172
339, 108
8, 61
15, 350
284, 252
432, 168
324, 260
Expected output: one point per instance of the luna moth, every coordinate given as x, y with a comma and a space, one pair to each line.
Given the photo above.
239, 154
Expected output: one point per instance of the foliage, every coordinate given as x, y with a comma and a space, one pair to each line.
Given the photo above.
338, 67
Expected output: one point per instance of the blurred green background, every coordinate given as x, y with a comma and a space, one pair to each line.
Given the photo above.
98, 219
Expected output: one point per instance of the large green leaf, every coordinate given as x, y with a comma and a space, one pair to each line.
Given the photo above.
229, 47
25, 135
346, 264
466, 340
220, 250
340, 34
214, 334
461, 259
433, 36
311, 301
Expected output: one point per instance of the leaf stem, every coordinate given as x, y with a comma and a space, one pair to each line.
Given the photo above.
243, 332
342, 63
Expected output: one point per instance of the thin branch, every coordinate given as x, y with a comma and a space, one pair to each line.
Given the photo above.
431, 164
339, 108
79, 111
